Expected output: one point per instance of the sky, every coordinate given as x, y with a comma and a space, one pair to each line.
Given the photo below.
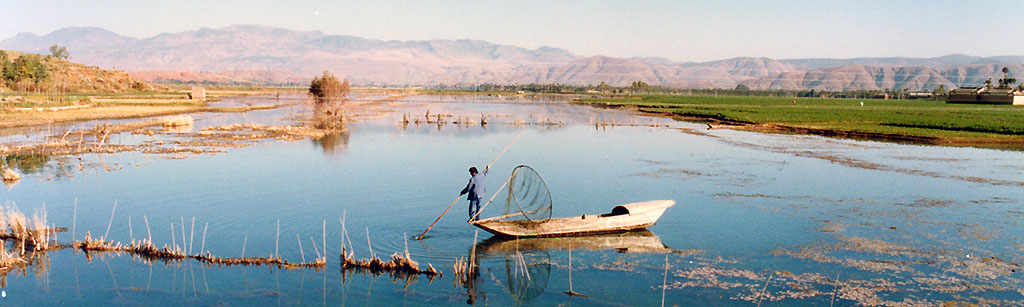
682, 31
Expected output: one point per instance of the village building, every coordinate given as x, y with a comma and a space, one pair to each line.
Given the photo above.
985, 95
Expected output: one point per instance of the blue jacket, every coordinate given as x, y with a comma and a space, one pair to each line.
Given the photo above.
475, 187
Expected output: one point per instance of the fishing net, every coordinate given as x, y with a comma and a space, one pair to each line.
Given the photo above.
528, 194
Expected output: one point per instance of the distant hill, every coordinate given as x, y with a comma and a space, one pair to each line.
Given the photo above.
862, 77
948, 60
249, 53
65, 76
260, 48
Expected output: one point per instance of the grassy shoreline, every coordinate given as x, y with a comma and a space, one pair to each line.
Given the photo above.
901, 121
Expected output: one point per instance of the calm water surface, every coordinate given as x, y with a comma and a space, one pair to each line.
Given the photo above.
760, 218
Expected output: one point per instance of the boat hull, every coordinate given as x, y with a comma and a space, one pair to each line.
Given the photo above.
623, 218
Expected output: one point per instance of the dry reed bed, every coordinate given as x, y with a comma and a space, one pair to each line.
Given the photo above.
28, 235
148, 251
275, 132
397, 265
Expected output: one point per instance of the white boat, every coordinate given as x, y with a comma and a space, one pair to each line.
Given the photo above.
622, 218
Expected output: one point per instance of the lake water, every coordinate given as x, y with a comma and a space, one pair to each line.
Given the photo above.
759, 218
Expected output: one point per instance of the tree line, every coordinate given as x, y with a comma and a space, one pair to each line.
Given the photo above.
23, 72
642, 88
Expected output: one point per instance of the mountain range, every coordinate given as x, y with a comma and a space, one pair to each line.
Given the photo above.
261, 54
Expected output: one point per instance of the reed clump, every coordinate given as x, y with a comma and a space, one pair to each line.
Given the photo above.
177, 121
28, 236
464, 272
397, 265
10, 176
27, 233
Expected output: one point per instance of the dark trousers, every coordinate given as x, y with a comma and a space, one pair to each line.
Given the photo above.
474, 207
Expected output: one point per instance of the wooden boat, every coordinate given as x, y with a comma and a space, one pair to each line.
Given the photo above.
622, 218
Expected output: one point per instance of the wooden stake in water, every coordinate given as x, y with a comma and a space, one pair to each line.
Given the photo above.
571, 292
131, 233
183, 233
111, 220
759, 297
246, 239
174, 242
835, 287
74, 220
191, 235
277, 239
344, 234
315, 249
300, 248
323, 229
149, 235
203, 248
370, 246
664, 282
570, 271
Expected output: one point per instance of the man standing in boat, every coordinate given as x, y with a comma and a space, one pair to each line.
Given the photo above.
475, 188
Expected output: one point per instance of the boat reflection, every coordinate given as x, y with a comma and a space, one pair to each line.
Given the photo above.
638, 241
526, 262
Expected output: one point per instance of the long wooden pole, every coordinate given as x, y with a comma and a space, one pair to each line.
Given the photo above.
420, 237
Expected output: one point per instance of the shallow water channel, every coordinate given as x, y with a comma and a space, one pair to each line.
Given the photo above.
759, 218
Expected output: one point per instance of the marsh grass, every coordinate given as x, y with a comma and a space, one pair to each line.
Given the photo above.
28, 235
397, 265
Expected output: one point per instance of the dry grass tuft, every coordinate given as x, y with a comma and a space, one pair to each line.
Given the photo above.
32, 233
10, 175
177, 123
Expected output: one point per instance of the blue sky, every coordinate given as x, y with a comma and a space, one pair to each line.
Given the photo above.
677, 30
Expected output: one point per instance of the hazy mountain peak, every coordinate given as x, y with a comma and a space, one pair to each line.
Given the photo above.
265, 54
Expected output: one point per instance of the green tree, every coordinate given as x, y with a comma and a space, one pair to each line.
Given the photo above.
742, 87
25, 67
1006, 82
59, 52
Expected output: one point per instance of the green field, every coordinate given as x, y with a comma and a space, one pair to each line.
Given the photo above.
954, 124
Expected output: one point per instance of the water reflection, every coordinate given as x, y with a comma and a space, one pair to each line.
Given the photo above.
525, 263
638, 241
333, 144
